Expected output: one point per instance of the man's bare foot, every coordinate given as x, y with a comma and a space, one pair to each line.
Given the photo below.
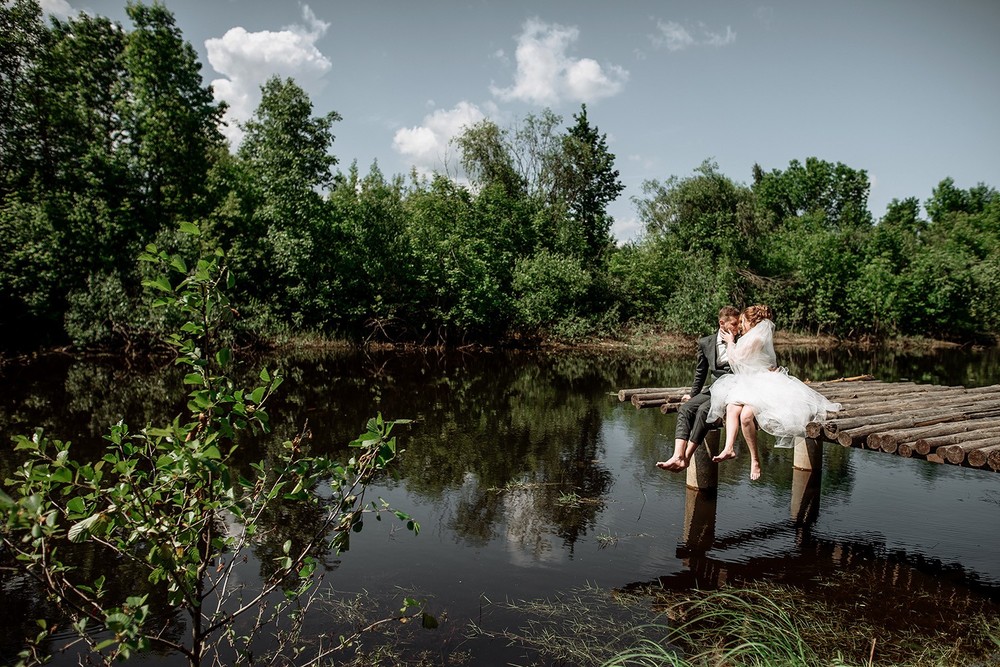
673, 463
724, 455
754, 471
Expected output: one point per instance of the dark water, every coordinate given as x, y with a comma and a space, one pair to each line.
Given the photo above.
530, 481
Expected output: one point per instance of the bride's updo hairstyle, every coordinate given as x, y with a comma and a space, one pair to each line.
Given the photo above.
756, 314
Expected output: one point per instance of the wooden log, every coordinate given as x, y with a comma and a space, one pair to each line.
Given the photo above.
912, 435
993, 460
668, 408
626, 394
859, 436
856, 437
890, 445
978, 458
640, 403
814, 430
832, 428
895, 389
856, 378
926, 443
989, 389
956, 453
666, 396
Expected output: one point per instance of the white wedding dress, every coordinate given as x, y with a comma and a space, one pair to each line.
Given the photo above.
782, 404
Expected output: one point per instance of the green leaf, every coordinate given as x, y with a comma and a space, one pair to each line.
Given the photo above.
177, 262
264, 376
76, 505
194, 378
161, 283
190, 228
81, 530
223, 356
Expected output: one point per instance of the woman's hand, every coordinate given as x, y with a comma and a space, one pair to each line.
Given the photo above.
727, 337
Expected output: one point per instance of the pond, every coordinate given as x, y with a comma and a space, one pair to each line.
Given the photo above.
531, 481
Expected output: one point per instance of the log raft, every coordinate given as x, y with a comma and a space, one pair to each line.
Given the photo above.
955, 425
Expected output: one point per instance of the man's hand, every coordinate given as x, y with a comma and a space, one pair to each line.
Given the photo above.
685, 398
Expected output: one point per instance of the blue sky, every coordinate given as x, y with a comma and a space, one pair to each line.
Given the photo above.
908, 90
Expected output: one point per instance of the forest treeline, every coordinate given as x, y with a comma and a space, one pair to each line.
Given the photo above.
110, 140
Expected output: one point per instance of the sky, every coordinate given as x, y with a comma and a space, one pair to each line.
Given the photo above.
907, 90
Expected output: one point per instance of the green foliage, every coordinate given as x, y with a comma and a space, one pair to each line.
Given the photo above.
587, 182
165, 498
835, 194
109, 138
549, 289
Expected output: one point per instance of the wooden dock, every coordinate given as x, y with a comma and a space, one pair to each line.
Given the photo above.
937, 423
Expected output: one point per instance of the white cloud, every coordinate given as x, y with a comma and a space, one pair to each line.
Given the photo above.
717, 39
672, 35
675, 37
426, 145
59, 8
248, 59
546, 74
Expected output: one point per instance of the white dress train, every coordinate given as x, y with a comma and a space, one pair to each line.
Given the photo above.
782, 403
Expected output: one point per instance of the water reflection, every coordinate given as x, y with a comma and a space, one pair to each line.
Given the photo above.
529, 478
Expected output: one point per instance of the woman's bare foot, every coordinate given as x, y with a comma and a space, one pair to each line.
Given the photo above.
754, 471
674, 463
724, 455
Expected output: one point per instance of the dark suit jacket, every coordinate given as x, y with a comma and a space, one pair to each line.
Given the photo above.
707, 364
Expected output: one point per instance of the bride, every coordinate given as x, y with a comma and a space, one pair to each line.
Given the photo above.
781, 404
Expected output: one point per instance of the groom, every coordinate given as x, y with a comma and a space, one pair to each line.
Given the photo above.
691, 417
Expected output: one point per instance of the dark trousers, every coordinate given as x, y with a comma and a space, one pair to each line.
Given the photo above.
692, 419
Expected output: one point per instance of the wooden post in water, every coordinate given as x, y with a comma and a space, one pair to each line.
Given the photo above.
699, 520
808, 454
702, 472
805, 496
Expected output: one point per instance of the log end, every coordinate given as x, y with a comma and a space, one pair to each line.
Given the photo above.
846, 440
952, 454
977, 458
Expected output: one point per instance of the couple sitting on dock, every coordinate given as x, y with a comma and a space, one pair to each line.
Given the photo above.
748, 389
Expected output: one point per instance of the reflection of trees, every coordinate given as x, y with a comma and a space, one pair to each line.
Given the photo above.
23, 599
506, 436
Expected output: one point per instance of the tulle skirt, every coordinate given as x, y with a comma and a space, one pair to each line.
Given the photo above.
782, 404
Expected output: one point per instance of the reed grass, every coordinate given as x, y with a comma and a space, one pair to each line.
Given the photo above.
755, 625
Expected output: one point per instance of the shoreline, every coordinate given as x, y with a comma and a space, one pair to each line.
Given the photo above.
640, 343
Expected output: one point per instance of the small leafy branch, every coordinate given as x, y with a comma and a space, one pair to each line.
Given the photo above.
168, 501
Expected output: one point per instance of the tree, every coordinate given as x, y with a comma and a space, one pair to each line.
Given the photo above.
835, 192
171, 122
486, 157
286, 161
287, 152
21, 36
587, 182
161, 502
